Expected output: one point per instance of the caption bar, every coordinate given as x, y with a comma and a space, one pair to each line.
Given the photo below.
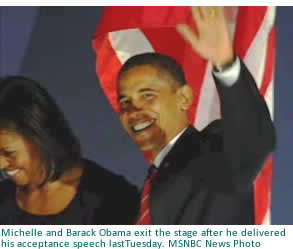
146, 237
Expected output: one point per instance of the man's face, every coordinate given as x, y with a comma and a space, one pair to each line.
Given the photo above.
149, 107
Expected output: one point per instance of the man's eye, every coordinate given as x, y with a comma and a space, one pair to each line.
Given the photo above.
7, 153
148, 96
124, 103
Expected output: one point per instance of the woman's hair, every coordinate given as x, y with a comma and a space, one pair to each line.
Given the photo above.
27, 109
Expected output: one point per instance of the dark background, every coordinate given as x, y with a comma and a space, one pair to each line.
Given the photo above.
53, 45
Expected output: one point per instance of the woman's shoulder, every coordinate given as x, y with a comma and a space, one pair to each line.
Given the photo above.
99, 171
96, 176
86, 171
95, 172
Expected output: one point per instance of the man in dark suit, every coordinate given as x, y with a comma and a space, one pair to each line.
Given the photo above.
203, 177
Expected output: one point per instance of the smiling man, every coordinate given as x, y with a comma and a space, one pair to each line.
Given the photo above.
202, 177
151, 89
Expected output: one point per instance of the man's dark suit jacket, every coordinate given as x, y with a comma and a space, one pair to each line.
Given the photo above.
207, 177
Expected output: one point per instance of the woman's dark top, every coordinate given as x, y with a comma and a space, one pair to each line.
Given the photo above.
102, 198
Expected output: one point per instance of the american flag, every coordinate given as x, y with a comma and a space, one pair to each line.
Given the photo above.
125, 31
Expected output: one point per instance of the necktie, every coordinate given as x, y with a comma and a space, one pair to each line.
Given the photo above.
144, 216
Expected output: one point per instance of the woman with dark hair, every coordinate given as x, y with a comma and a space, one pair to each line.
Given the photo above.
50, 182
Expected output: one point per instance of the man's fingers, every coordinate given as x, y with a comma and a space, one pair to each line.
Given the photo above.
220, 10
204, 12
210, 13
187, 34
196, 14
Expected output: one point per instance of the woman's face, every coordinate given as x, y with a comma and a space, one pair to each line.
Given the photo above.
20, 160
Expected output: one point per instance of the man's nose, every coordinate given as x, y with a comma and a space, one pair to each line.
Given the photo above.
136, 105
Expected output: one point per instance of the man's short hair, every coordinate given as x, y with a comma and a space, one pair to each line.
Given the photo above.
161, 61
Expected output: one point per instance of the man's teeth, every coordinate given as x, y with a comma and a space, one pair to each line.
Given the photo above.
142, 126
12, 172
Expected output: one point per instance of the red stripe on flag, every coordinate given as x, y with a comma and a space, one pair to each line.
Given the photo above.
262, 190
107, 67
249, 21
118, 18
262, 197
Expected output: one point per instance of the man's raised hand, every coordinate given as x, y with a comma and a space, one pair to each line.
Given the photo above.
212, 40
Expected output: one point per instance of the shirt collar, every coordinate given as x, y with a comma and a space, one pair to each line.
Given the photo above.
163, 153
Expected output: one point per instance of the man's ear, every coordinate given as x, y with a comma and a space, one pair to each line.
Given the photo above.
185, 97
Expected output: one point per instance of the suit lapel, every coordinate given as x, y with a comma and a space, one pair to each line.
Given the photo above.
172, 184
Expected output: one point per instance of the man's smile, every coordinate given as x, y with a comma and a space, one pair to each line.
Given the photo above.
141, 126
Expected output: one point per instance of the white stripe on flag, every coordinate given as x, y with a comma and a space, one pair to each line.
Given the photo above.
208, 104
123, 43
267, 218
256, 53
